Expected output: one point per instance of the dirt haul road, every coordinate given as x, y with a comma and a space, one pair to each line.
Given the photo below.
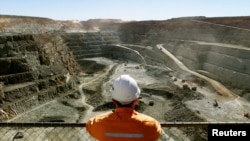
216, 85
230, 108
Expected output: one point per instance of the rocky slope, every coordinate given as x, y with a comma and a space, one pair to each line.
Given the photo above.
219, 49
35, 64
34, 70
72, 64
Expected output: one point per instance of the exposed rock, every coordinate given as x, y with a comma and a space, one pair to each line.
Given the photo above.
1, 93
26, 76
215, 104
194, 88
247, 115
18, 135
185, 87
151, 103
44, 66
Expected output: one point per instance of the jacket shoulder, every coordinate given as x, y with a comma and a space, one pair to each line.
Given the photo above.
101, 117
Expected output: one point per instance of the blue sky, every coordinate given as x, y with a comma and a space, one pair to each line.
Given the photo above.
124, 9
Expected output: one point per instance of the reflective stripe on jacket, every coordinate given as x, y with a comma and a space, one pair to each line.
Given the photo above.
124, 124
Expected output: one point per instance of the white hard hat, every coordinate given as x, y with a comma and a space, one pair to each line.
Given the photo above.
125, 89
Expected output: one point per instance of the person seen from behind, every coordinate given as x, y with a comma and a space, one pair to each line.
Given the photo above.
124, 123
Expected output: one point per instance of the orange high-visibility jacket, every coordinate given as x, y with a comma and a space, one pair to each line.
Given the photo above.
124, 124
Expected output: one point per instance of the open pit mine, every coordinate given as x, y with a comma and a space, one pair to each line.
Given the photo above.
192, 69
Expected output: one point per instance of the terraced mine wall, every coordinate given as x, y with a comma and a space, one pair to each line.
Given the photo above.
33, 71
37, 68
221, 62
154, 32
228, 65
99, 44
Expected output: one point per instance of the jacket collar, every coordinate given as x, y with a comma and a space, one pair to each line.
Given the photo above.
125, 110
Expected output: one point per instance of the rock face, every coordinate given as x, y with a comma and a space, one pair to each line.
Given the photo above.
99, 44
33, 69
227, 64
221, 49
